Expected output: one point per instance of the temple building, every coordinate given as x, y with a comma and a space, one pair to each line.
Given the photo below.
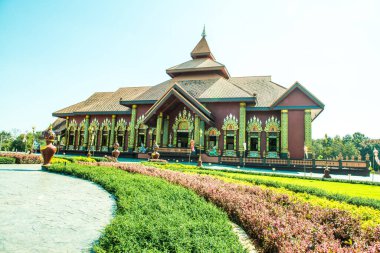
225, 116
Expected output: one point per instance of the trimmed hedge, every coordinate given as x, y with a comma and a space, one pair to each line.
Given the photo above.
7, 160
358, 201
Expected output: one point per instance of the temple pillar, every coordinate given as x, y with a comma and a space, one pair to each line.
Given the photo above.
308, 137
131, 137
86, 125
67, 132
158, 129
166, 132
112, 134
242, 124
284, 133
202, 135
196, 130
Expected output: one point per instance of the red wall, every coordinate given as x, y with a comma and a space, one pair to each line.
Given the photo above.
297, 98
296, 133
220, 111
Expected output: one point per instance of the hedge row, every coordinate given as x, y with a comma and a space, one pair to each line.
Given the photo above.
358, 201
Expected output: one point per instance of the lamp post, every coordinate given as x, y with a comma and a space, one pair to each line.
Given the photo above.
58, 142
245, 149
200, 149
33, 131
375, 154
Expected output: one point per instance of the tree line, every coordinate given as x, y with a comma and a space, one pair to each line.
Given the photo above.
25, 142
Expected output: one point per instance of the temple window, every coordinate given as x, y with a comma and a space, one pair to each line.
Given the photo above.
81, 136
254, 129
230, 127
212, 141
272, 129
105, 135
120, 133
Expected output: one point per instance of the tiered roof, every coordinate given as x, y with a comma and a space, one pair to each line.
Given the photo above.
202, 78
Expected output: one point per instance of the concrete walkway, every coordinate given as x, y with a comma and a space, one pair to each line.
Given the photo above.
46, 212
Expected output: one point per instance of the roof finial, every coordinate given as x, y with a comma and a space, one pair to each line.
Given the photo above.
204, 31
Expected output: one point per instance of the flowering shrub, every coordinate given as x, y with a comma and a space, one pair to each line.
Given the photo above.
275, 222
22, 158
59, 160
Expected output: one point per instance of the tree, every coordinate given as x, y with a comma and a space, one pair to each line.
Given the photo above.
5, 140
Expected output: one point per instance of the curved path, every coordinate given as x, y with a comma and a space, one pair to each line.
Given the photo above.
45, 212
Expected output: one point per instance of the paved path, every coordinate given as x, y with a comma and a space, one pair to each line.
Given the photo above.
46, 212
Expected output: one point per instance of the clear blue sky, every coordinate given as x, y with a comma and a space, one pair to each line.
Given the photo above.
56, 53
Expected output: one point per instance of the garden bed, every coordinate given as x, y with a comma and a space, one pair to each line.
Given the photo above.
156, 216
277, 223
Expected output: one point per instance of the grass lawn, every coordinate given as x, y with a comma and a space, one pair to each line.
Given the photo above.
156, 216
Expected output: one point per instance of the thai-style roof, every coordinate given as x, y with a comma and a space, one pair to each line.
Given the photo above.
103, 102
202, 61
202, 50
199, 80
58, 126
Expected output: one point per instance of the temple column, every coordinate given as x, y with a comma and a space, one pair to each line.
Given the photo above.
86, 125
284, 134
112, 134
67, 132
166, 132
196, 130
202, 135
131, 137
158, 129
242, 124
308, 138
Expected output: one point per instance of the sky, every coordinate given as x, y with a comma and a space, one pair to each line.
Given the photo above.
56, 53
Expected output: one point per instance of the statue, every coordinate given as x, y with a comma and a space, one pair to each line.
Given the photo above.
170, 140
155, 154
142, 148
326, 172
116, 151
49, 150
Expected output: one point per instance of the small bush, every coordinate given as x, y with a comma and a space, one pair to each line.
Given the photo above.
7, 160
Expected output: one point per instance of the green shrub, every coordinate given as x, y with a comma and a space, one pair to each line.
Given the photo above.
7, 160
155, 216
